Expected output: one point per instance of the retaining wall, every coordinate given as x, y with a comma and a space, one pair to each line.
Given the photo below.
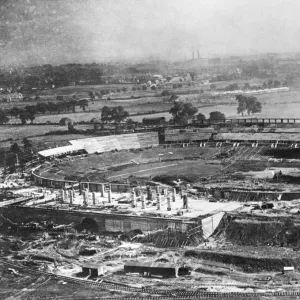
105, 221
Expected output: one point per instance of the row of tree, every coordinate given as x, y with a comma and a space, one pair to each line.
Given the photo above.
183, 112
114, 115
266, 85
29, 112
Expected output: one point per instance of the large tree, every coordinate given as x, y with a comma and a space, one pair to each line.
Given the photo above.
41, 107
216, 116
241, 99
14, 112
119, 114
83, 103
201, 117
73, 103
182, 112
24, 116
106, 114
27, 144
249, 104
3, 117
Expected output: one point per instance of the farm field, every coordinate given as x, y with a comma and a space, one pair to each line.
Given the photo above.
274, 105
17, 132
20, 131
275, 110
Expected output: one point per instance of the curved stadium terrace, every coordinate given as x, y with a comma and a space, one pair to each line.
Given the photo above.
185, 153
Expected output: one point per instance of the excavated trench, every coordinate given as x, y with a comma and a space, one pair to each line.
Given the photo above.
272, 238
251, 230
244, 261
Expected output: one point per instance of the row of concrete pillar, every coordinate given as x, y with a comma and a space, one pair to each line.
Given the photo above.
69, 195
171, 197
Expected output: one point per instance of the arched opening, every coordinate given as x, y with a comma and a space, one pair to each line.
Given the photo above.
89, 224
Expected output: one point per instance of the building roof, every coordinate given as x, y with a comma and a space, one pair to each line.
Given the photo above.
60, 150
288, 137
91, 265
288, 268
150, 264
154, 118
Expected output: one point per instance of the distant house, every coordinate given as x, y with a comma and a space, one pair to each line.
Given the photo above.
12, 97
176, 79
158, 77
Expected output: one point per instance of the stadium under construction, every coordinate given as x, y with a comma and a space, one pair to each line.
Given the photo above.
130, 200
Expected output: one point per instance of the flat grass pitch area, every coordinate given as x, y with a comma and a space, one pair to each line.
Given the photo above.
192, 162
194, 168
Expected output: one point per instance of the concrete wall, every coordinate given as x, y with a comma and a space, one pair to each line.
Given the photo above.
105, 222
244, 196
92, 186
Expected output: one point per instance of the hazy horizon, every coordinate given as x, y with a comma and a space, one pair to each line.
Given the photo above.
71, 31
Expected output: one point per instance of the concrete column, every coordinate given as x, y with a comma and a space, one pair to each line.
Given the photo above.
66, 194
165, 191
62, 195
87, 196
102, 190
185, 202
149, 195
143, 201
157, 189
109, 197
174, 195
84, 198
71, 196
73, 193
153, 195
158, 202
137, 192
133, 198
169, 202
94, 198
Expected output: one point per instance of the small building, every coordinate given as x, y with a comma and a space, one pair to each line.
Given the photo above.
288, 270
151, 268
11, 97
93, 269
154, 121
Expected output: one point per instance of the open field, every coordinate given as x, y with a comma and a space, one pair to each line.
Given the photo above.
274, 105
21, 131
188, 169
159, 160
17, 132
269, 110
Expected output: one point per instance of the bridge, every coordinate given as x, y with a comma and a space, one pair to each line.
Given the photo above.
248, 121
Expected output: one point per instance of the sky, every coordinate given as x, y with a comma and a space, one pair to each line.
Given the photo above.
84, 31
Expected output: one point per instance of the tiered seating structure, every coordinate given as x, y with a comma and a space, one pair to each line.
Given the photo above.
119, 142
184, 135
148, 139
